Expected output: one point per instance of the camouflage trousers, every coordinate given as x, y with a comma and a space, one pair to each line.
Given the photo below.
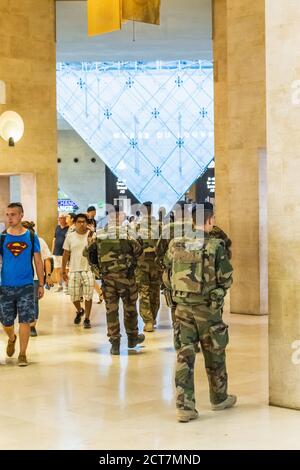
200, 323
176, 329
149, 281
115, 287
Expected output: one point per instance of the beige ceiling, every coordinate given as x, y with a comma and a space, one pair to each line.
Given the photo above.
184, 33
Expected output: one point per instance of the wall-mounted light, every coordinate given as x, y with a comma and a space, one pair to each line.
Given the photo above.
11, 127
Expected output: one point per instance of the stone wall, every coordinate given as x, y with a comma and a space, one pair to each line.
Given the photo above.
240, 120
283, 146
84, 181
27, 66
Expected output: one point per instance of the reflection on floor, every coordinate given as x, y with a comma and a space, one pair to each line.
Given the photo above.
75, 395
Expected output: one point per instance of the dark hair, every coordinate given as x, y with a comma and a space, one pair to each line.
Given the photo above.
148, 205
181, 204
81, 216
72, 215
207, 215
91, 208
13, 205
208, 211
179, 208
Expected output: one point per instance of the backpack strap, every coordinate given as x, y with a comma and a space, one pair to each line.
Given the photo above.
31, 233
91, 253
2, 240
32, 243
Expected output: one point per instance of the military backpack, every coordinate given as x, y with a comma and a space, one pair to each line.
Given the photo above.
111, 254
193, 266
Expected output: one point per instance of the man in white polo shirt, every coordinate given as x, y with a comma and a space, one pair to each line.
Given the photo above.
80, 279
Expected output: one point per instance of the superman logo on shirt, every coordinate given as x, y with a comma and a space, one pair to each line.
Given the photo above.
16, 248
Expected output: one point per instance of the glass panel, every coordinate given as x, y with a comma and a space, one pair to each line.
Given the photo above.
150, 122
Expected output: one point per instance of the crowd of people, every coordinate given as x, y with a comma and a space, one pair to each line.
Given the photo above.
134, 257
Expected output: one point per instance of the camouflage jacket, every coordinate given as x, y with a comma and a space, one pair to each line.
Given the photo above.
147, 233
201, 272
170, 231
114, 251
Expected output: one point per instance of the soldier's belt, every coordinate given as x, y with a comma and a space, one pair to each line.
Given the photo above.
189, 298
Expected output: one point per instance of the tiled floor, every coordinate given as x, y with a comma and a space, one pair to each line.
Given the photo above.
75, 395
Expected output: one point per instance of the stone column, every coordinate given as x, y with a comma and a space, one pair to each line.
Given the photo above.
283, 148
28, 68
28, 197
4, 197
221, 113
240, 126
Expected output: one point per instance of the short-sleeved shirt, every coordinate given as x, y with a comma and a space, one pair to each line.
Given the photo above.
60, 235
45, 254
75, 244
17, 259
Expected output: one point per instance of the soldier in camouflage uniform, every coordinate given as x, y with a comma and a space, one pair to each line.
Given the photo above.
113, 257
200, 276
148, 271
175, 228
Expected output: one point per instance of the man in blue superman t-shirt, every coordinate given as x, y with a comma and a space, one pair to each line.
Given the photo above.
18, 248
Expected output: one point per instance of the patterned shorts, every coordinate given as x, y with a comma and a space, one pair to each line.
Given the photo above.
81, 284
16, 301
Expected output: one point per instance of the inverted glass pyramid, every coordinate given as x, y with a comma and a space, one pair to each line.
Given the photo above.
150, 122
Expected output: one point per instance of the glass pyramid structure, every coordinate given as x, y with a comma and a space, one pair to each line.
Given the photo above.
151, 123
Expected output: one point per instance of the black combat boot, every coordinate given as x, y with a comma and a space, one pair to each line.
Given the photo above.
115, 348
133, 342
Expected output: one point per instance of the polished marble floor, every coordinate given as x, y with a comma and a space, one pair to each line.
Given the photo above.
75, 395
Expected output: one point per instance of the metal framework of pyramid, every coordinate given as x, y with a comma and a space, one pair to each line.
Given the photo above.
151, 123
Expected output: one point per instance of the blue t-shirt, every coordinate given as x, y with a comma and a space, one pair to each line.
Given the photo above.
60, 235
17, 260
